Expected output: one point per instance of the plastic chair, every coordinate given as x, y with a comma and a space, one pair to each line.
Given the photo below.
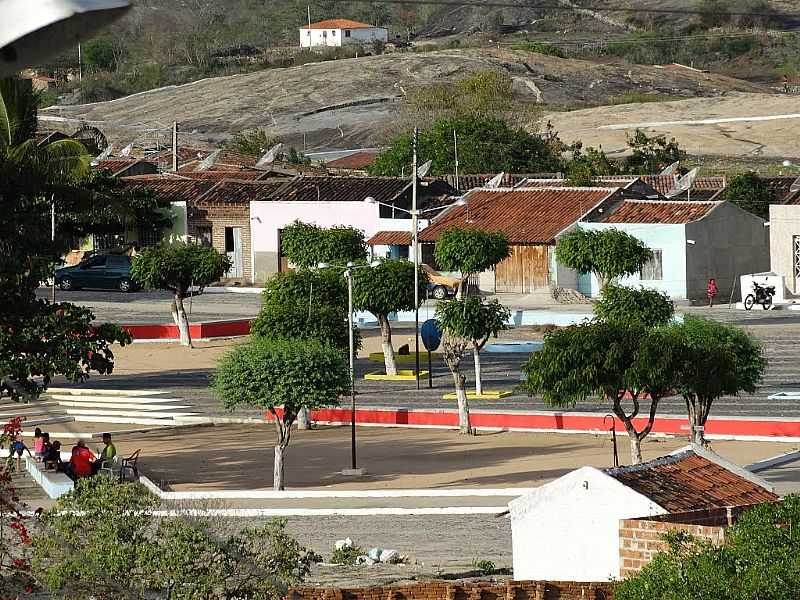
129, 464
111, 466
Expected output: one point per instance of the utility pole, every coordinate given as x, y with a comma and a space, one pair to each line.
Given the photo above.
174, 145
455, 151
80, 63
415, 245
53, 239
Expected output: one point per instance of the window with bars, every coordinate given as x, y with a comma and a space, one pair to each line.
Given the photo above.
796, 244
149, 238
203, 236
107, 241
652, 270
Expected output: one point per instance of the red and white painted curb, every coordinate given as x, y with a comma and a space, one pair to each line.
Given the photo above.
721, 427
168, 332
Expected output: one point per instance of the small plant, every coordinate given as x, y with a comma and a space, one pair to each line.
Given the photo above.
346, 555
485, 567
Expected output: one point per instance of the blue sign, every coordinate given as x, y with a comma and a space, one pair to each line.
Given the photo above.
431, 334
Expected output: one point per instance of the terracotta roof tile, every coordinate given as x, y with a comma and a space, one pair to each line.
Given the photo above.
115, 165
357, 160
169, 188
241, 174
233, 191
472, 181
525, 215
344, 189
687, 481
659, 211
339, 24
390, 238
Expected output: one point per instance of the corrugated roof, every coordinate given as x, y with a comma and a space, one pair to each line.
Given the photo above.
390, 238
339, 24
357, 160
659, 211
233, 191
525, 215
687, 481
169, 188
343, 189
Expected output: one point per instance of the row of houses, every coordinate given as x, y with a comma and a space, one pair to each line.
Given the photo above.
241, 210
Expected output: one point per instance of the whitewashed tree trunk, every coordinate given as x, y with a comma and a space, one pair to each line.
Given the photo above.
181, 320
303, 419
388, 349
636, 450
464, 425
277, 473
476, 354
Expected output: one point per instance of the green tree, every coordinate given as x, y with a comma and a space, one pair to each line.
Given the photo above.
468, 322
282, 377
99, 54
757, 559
614, 362
619, 304
586, 165
751, 193
253, 142
716, 360
485, 145
470, 251
307, 245
384, 289
178, 268
305, 304
608, 253
649, 155
103, 540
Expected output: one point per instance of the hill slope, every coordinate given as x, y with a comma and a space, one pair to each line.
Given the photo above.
354, 102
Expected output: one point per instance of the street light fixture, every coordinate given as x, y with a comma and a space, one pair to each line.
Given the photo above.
348, 271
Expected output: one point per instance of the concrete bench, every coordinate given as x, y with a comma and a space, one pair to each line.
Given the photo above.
54, 484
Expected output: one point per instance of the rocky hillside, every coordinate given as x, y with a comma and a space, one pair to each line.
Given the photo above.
350, 103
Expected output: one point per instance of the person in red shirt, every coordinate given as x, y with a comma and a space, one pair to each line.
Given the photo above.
80, 464
711, 291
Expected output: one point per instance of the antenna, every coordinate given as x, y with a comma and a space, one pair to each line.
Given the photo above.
269, 156
455, 152
208, 161
495, 181
423, 169
684, 184
103, 155
795, 187
672, 169
126, 151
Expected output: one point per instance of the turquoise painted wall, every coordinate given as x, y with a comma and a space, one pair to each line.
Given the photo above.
670, 239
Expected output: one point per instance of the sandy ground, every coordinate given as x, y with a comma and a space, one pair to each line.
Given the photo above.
240, 457
747, 137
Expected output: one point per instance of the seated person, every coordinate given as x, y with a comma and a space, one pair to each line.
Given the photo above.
52, 456
38, 443
107, 454
80, 464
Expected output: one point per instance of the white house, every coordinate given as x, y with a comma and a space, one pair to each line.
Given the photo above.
340, 32
568, 529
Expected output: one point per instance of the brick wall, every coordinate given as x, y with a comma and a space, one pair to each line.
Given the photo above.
447, 590
218, 217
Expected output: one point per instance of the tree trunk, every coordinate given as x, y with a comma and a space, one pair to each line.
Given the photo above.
277, 473
695, 421
464, 426
388, 350
303, 419
602, 281
636, 449
478, 383
179, 314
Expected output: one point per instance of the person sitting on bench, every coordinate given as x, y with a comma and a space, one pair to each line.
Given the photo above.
106, 455
80, 464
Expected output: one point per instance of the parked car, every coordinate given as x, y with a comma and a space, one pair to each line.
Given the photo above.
101, 271
440, 286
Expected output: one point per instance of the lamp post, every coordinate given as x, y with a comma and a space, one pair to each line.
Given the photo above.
348, 271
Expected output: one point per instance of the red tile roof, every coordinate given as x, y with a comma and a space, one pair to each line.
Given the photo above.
659, 211
525, 215
390, 238
168, 187
242, 174
343, 189
232, 191
472, 181
357, 160
339, 24
688, 481
115, 164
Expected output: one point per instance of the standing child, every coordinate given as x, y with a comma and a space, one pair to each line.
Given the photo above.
711, 291
38, 444
18, 447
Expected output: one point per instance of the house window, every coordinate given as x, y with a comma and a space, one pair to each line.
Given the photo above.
325, 34
333, 33
149, 237
108, 241
346, 33
652, 269
203, 236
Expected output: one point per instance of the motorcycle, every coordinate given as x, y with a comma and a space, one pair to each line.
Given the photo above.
762, 294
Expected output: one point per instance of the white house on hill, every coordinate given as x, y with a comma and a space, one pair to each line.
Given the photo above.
340, 32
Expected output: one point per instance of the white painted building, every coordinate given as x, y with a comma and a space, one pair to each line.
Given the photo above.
568, 529
340, 32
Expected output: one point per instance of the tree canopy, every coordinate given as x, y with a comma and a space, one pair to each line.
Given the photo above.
651, 154
751, 193
608, 253
485, 145
307, 245
282, 377
470, 251
252, 142
620, 304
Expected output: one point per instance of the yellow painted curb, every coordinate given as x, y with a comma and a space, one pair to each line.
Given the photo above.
404, 358
486, 395
402, 375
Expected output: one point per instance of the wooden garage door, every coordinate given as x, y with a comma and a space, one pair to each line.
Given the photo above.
526, 270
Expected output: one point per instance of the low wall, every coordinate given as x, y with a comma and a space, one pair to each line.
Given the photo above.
447, 590
198, 331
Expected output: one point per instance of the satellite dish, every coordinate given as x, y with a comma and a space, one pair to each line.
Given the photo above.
495, 181
684, 184
795, 187
672, 169
29, 35
208, 161
103, 155
126, 151
423, 169
269, 157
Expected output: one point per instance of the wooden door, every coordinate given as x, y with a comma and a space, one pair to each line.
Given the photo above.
526, 270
